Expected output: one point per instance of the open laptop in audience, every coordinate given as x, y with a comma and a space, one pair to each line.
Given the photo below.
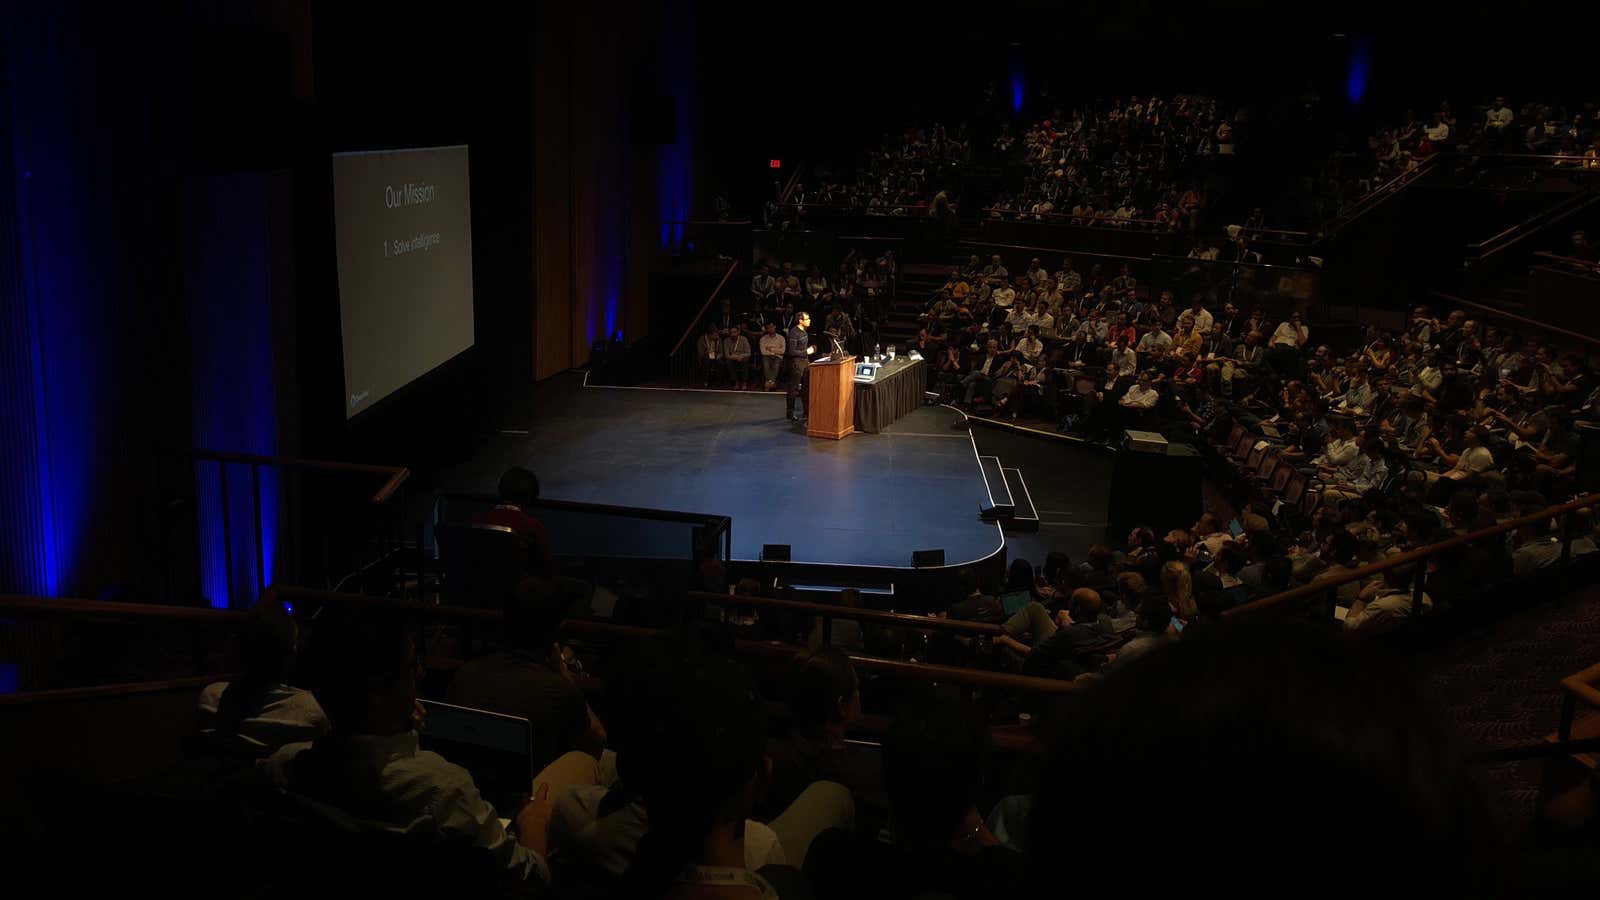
496, 748
1013, 601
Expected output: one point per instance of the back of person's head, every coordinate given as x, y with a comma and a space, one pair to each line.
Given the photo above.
362, 667
933, 759
695, 756
1086, 604
1154, 615
519, 486
267, 646
1276, 572
1132, 586
1463, 509
1230, 559
1400, 578
533, 614
969, 582
1057, 565
1178, 585
1344, 547
1019, 576
1100, 559
822, 690
1526, 502
1279, 738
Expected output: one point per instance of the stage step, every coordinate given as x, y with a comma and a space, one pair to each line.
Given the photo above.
1025, 517
1000, 504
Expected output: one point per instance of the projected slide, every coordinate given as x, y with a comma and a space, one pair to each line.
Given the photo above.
403, 226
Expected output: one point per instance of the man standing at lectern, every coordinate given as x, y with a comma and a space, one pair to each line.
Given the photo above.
797, 357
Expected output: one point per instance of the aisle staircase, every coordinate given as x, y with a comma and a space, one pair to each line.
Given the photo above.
913, 292
1009, 501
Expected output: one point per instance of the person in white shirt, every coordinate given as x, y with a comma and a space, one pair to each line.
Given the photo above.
1031, 348
1536, 549
1340, 450
1499, 115
1292, 334
1198, 317
260, 712
1021, 316
1140, 396
1046, 323
1474, 458
736, 356
1155, 339
1386, 602
1004, 295
1125, 359
1436, 130
368, 773
772, 348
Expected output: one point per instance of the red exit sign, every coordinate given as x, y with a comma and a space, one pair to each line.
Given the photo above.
774, 163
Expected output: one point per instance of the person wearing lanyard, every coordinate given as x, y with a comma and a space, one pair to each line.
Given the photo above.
797, 357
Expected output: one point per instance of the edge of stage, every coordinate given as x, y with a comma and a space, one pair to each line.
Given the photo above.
867, 501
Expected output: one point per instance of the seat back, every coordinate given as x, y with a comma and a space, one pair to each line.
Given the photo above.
1254, 457
1281, 475
1294, 487
479, 565
1269, 463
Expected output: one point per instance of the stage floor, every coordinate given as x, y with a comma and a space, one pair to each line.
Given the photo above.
868, 500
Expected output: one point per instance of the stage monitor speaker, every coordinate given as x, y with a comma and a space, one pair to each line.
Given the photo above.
923, 559
1158, 490
774, 552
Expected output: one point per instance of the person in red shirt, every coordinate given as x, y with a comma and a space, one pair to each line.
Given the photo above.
1122, 331
519, 489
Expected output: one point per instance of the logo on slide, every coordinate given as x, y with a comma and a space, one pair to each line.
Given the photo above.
358, 399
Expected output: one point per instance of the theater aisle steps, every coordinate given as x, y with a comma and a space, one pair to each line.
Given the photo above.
913, 292
1009, 503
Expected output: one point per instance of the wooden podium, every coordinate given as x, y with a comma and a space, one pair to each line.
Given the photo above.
831, 403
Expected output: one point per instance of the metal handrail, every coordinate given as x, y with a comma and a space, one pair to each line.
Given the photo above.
397, 474
1323, 587
1168, 257
976, 678
1520, 320
1074, 253
734, 264
1088, 222
1377, 195
1504, 238
830, 611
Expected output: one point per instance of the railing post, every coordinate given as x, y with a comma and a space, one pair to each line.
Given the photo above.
1566, 540
255, 525
227, 534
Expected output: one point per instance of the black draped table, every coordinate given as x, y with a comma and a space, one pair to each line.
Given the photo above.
895, 391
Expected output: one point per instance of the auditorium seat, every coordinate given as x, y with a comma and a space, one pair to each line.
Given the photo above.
479, 564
